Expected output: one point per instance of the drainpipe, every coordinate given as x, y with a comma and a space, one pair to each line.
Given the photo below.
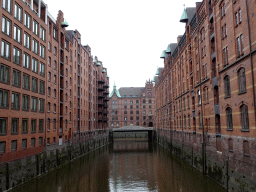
250, 45
201, 93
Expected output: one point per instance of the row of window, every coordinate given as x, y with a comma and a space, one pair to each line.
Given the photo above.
16, 80
23, 144
27, 101
15, 122
6, 53
18, 13
182, 122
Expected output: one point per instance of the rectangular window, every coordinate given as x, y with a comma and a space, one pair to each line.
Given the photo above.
14, 145
24, 126
4, 99
27, 40
6, 26
24, 143
27, 20
16, 55
16, 78
41, 87
242, 44
16, 101
42, 34
18, 12
7, 5
35, 46
4, 74
34, 65
15, 126
33, 125
2, 147
26, 61
41, 105
35, 27
3, 125
41, 125
17, 34
34, 84
26, 81
33, 104
33, 141
42, 51
40, 141
5, 50
25, 102
42, 69
55, 33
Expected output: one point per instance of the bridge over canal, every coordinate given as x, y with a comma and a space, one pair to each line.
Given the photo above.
133, 129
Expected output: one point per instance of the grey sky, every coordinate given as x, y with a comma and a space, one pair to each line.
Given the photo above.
128, 36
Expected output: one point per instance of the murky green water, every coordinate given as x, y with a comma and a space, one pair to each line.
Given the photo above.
124, 166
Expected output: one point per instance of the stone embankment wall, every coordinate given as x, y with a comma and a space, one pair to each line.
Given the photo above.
234, 171
127, 135
15, 173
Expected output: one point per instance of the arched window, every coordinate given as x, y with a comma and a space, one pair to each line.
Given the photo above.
144, 101
227, 86
117, 124
229, 119
137, 112
131, 112
131, 102
242, 80
200, 120
125, 101
230, 144
199, 97
112, 124
244, 117
144, 112
137, 101
125, 112
150, 112
246, 148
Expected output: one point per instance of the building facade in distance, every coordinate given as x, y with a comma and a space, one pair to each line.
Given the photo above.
132, 106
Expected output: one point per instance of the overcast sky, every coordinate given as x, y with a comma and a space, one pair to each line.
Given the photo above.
128, 36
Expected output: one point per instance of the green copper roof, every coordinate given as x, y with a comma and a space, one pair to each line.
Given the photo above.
115, 91
157, 71
103, 71
98, 64
163, 55
107, 76
154, 79
168, 50
184, 16
64, 24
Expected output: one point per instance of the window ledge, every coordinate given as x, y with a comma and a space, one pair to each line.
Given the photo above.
247, 155
226, 97
240, 93
245, 130
229, 129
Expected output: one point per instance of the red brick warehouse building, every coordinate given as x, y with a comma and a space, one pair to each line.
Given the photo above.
205, 94
132, 106
45, 82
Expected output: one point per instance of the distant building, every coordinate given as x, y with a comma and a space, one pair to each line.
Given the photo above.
132, 106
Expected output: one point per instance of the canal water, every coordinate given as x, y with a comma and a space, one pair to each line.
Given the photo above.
124, 166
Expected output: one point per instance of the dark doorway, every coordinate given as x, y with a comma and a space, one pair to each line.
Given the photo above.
150, 124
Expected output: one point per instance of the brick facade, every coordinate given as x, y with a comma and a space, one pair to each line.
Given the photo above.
132, 106
206, 91
45, 81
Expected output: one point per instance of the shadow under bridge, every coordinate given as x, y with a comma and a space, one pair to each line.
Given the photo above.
151, 134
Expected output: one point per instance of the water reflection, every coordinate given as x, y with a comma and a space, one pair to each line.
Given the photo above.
124, 166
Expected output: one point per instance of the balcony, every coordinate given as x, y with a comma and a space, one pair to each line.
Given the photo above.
212, 36
61, 73
100, 97
100, 89
106, 86
101, 81
100, 103
213, 56
215, 81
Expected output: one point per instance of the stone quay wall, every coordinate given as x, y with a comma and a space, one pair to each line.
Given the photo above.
15, 173
234, 172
